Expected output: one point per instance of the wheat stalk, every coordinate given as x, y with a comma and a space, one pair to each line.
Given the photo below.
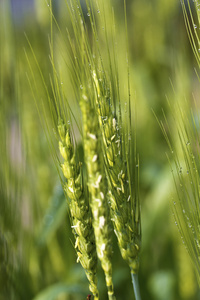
79, 208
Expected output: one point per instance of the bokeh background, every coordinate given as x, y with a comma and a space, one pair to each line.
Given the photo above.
37, 255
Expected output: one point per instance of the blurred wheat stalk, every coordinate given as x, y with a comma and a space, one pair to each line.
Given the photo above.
184, 160
182, 136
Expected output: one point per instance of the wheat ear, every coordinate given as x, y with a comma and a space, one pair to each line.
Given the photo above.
98, 190
123, 214
79, 208
124, 210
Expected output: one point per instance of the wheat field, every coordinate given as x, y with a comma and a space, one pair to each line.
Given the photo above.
99, 152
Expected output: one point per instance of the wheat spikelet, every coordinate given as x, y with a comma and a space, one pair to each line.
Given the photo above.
98, 190
79, 208
123, 208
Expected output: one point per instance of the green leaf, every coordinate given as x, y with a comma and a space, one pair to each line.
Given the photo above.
54, 215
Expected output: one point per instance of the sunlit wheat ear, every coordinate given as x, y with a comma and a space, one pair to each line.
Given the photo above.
79, 208
98, 189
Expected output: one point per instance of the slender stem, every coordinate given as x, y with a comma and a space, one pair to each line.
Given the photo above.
136, 286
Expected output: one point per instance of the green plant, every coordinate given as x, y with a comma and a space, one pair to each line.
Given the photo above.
98, 189
79, 208
184, 161
67, 60
184, 158
109, 149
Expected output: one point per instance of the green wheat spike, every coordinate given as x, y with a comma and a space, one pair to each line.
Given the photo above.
122, 212
97, 189
79, 208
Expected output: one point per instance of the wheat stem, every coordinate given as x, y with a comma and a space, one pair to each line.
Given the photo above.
136, 286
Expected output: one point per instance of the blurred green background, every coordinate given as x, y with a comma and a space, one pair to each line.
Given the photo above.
37, 256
